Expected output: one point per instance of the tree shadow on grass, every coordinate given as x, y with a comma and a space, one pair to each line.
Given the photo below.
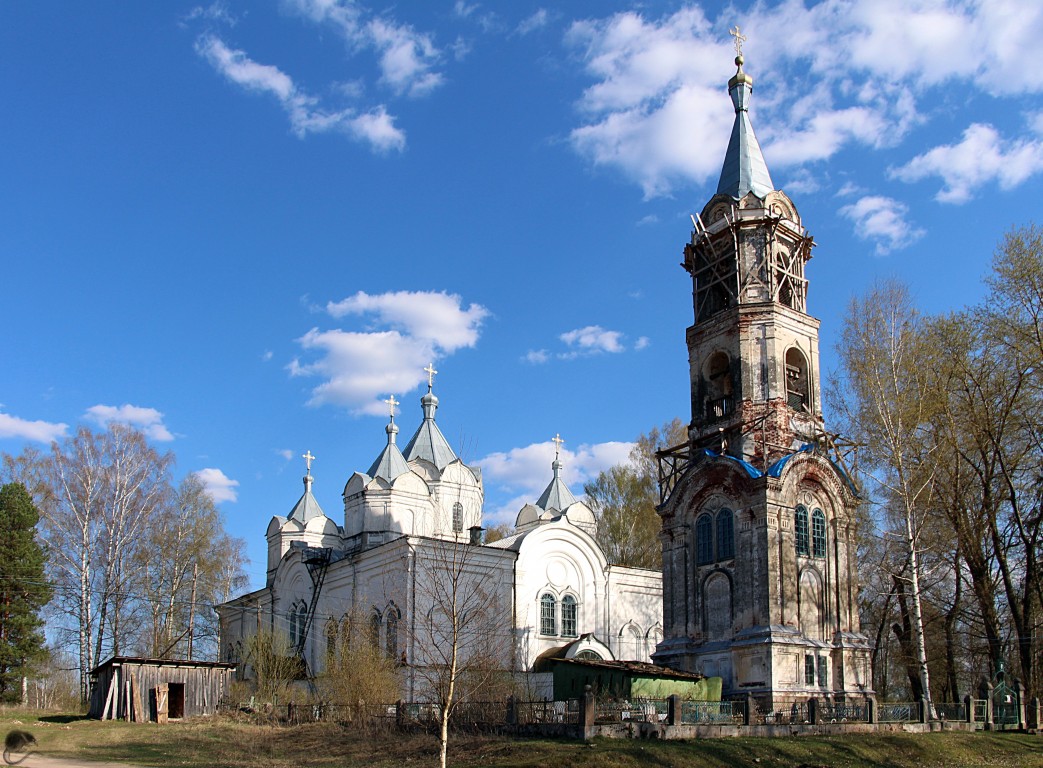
62, 719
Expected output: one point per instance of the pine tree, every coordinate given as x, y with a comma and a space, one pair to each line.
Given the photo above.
23, 590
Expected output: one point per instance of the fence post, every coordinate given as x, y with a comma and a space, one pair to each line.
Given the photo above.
673, 710
1019, 702
986, 692
512, 710
586, 712
813, 710
968, 702
747, 715
1032, 719
871, 713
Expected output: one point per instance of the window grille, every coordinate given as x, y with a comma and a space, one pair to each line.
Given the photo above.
818, 533
548, 625
374, 630
569, 615
801, 528
725, 535
809, 669
704, 539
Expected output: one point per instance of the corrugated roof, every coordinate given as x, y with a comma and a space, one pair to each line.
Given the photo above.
744, 168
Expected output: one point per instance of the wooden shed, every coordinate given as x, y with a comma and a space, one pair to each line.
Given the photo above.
137, 689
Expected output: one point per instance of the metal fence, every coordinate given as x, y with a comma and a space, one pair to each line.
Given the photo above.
530, 712
951, 711
635, 711
848, 712
796, 713
898, 712
711, 712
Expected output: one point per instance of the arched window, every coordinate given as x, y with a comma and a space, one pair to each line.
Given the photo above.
331, 638
458, 517
569, 616
589, 655
704, 539
798, 386
374, 630
292, 619
548, 623
725, 535
719, 400
818, 533
392, 634
801, 529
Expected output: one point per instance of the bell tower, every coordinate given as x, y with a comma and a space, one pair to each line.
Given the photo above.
753, 348
760, 582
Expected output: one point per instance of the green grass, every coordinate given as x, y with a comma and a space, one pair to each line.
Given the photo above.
232, 743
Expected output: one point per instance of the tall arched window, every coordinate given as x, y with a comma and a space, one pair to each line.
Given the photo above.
798, 386
392, 633
818, 533
458, 517
548, 623
331, 638
569, 616
725, 535
704, 539
374, 630
801, 529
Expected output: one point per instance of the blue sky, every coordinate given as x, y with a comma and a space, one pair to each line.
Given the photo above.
242, 226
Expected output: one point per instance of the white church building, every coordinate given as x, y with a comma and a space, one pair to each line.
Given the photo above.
412, 522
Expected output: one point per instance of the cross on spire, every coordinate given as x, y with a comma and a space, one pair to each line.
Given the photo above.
430, 371
391, 403
308, 459
739, 39
557, 446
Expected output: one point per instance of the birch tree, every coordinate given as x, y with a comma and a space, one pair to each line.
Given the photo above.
885, 396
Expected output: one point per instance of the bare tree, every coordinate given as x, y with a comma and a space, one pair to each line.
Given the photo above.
885, 397
462, 624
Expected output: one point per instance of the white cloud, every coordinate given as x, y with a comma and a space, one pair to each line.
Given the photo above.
286, 453
218, 485
536, 356
148, 420
528, 468
375, 127
980, 156
642, 343
37, 431
883, 220
406, 57
404, 332
838, 73
438, 317
537, 20
592, 339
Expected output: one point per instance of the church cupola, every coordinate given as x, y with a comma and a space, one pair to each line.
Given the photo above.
307, 506
557, 495
753, 349
428, 443
390, 463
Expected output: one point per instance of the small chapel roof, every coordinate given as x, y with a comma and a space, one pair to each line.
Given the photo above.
744, 168
557, 495
390, 463
428, 442
307, 507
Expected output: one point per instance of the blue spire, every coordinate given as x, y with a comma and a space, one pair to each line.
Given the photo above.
744, 169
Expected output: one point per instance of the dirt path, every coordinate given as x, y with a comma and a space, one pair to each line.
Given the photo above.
39, 761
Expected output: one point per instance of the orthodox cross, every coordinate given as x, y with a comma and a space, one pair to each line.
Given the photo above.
557, 445
430, 371
308, 458
391, 403
739, 39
